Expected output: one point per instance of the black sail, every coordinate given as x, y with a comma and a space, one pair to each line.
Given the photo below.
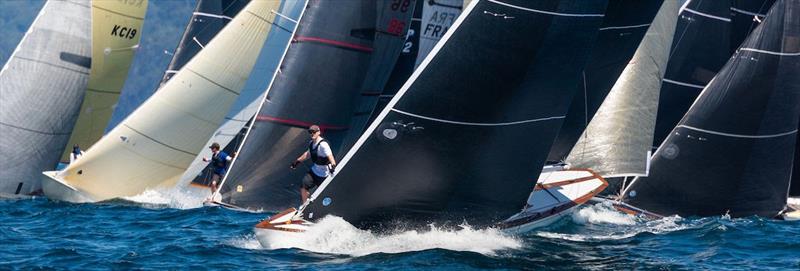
794, 188
622, 30
318, 83
469, 132
700, 47
209, 17
745, 16
732, 152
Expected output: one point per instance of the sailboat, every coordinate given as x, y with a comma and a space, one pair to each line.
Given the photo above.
116, 31
617, 142
343, 36
154, 145
41, 88
621, 33
732, 152
427, 159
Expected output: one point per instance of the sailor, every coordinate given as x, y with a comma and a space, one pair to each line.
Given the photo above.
324, 164
219, 164
75, 154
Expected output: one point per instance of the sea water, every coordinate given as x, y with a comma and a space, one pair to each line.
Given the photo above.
156, 232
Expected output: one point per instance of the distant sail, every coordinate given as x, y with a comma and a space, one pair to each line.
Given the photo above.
318, 83
437, 17
622, 30
116, 31
238, 120
41, 88
619, 137
732, 152
156, 143
208, 18
461, 144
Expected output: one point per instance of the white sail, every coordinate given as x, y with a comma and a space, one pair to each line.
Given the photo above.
617, 140
116, 31
255, 90
158, 141
437, 17
41, 88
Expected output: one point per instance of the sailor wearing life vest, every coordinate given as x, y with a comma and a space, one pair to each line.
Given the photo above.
219, 164
324, 164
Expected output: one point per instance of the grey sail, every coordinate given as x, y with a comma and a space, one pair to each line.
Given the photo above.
41, 89
318, 83
437, 17
618, 139
458, 143
732, 152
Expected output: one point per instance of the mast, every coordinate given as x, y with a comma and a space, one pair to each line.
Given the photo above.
617, 141
42, 85
732, 151
116, 31
427, 159
155, 144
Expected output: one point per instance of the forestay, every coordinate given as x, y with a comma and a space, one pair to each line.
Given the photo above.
156, 143
732, 152
468, 149
42, 86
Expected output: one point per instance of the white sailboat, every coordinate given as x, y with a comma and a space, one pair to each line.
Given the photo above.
155, 144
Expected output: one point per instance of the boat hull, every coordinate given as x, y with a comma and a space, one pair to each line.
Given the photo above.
56, 189
555, 195
281, 230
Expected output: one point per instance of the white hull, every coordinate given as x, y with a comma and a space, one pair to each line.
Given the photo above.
280, 230
56, 189
556, 194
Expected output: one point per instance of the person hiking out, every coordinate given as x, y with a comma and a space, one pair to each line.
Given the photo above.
75, 154
219, 164
324, 164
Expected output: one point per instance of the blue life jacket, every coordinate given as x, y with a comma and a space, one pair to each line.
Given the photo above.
219, 163
312, 151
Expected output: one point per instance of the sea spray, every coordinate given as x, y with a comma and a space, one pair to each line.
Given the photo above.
334, 235
178, 198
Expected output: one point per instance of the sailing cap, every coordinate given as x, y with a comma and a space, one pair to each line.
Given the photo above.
313, 128
214, 145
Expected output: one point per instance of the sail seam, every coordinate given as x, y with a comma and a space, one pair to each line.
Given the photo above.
258, 16
212, 15
624, 27
478, 123
748, 12
118, 13
770, 52
159, 142
739, 135
102, 91
50, 64
34, 131
707, 15
547, 12
683, 84
335, 43
212, 81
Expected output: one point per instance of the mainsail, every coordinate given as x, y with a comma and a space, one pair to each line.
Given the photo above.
732, 152
318, 83
622, 30
116, 31
41, 88
208, 18
437, 17
618, 139
468, 147
794, 187
157, 142
238, 119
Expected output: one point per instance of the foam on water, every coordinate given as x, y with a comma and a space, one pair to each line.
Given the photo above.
602, 213
170, 197
334, 235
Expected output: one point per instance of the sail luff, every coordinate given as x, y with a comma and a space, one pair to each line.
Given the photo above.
155, 144
116, 31
42, 85
617, 140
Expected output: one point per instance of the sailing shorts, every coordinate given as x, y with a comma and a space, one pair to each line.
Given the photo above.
312, 181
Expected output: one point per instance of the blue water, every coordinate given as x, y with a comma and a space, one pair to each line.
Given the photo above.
121, 234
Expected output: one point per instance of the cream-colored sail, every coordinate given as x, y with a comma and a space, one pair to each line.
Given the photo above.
158, 141
617, 140
116, 30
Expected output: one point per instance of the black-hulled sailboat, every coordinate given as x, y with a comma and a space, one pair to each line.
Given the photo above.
463, 143
732, 152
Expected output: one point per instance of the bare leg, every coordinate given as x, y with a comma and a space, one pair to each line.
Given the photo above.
303, 195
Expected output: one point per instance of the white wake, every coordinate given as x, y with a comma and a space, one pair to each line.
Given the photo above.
178, 198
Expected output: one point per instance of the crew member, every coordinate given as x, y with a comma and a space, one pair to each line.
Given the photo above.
324, 164
219, 164
75, 154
